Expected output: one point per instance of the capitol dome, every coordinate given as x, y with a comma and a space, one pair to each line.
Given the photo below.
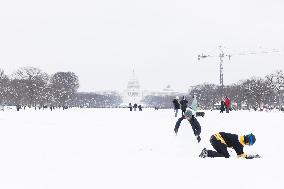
168, 89
132, 93
133, 83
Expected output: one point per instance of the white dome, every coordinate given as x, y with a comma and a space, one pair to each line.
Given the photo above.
133, 84
132, 94
168, 89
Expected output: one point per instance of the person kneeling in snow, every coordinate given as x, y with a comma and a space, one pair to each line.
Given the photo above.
221, 141
189, 115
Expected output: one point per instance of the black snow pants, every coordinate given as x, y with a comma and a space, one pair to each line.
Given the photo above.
221, 149
183, 111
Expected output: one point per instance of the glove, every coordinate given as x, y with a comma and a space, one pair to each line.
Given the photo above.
257, 156
176, 130
198, 138
249, 156
252, 156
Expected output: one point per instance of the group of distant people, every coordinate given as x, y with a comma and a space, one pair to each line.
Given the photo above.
134, 107
182, 104
19, 107
220, 141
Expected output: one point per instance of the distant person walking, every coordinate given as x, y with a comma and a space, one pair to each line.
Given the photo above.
130, 107
176, 105
222, 108
227, 104
183, 105
135, 107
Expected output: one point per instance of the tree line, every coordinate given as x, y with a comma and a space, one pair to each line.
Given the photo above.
93, 100
29, 86
255, 92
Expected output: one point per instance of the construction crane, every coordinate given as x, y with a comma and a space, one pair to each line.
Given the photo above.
223, 55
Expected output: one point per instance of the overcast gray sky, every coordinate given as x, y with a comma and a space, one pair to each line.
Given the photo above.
102, 41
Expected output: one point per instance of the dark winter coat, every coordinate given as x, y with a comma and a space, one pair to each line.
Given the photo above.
231, 141
176, 104
183, 104
130, 107
222, 108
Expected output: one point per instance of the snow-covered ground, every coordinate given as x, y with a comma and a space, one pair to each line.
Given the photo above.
115, 148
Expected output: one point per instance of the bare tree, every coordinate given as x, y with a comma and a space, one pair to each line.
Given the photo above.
18, 92
207, 95
64, 85
34, 82
276, 82
4, 87
256, 91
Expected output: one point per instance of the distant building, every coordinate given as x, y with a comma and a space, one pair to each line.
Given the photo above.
132, 93
167, 91
107, 92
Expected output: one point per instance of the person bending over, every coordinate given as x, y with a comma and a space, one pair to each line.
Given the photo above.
189, 115
222, 141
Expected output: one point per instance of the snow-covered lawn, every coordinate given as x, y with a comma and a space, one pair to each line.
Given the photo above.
115, 148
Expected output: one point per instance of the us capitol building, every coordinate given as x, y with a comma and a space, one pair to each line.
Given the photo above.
134, 94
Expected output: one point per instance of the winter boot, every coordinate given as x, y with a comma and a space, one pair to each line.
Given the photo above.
203, 153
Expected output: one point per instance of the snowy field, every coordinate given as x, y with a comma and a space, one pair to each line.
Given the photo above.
115, 148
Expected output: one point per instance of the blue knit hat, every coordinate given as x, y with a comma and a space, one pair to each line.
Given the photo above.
250, 139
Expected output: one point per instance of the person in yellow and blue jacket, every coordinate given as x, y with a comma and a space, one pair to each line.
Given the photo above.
221, 141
